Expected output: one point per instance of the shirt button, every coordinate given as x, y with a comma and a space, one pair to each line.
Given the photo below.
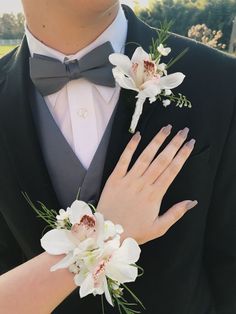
83, 113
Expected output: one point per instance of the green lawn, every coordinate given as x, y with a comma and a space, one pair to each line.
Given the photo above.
5, 49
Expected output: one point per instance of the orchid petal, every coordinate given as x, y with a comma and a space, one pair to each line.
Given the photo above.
109, 230
80, 277
121, 272
150, 89
140, 55
118, 268
86, 245
77, 210
129, 251
111, 246
171, 81
99, 229
87, 286
123, 62
123, 81
57, 241
63, 263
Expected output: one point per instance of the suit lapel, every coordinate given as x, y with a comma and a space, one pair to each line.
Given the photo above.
19, 133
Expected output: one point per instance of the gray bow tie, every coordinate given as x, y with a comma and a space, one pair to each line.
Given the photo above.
49, 75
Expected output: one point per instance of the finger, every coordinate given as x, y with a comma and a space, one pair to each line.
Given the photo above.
162, 161
125, 159
150, 151
170, 173
163, 223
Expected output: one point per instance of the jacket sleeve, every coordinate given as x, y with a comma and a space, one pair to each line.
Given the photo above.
10, 252
220, 244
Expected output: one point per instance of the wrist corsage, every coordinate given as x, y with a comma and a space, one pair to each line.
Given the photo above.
93, 251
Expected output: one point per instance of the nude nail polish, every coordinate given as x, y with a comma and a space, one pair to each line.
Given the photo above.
183, 133
191, 143
137, 136
191, 204
167, 129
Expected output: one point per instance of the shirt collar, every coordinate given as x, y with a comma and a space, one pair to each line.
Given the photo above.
116, 33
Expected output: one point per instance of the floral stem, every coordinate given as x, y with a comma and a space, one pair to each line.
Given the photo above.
137, 113
134, 296
102, 301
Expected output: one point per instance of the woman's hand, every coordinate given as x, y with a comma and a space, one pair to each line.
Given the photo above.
133, 198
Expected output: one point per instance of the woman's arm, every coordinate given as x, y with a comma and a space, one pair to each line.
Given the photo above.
33, 288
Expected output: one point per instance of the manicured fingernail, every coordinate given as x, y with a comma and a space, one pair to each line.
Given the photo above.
137, 136
183, 133
191, 143
166, 130
191, 204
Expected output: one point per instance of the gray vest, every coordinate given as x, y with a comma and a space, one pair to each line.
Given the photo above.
67, 174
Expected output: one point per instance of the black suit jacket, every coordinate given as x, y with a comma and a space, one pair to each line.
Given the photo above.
192, 269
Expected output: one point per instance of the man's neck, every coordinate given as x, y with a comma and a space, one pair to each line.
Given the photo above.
65, 33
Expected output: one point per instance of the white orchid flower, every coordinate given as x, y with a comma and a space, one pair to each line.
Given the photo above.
85, 226
141, 74
116, 263
77, 210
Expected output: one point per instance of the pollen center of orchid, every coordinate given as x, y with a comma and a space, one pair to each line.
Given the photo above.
149, 67
87, 221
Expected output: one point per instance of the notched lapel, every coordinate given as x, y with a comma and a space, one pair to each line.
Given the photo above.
19, 132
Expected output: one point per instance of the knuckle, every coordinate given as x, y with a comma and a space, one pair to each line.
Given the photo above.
175, 166
144, 158
111, 181
130, 148
123, 160
162, 160
185, 151
152, 197
157, 141
176, 142
161, 230
177, 214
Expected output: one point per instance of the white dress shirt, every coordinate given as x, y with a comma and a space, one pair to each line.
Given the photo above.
82, 109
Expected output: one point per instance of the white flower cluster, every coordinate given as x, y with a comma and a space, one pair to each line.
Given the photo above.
93, 251
146, 76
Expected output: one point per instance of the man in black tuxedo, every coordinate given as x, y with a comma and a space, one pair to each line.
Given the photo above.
192, 269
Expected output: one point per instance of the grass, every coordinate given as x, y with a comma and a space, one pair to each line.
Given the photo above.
5, 49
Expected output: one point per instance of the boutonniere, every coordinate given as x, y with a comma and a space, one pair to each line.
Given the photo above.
146, 74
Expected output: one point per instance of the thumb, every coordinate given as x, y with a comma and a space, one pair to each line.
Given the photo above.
163, 223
